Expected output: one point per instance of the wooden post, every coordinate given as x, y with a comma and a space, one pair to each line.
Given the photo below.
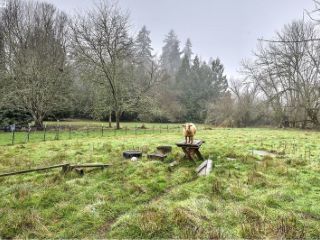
102, 130
87, 131
65, 168
126, 130
167, 128
28, 134
44, 133
13, 136
58, 133
69, 132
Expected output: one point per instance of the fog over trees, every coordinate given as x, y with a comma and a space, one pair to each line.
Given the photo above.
91, 65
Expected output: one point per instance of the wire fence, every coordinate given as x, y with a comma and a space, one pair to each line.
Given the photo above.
280, 147
67, 133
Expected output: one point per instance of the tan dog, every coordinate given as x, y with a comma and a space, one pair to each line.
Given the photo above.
189, 130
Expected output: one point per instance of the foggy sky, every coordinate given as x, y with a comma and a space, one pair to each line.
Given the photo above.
227, 29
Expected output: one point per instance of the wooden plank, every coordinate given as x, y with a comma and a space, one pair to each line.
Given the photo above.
90, 165
201, 166
196, 144
34, 170
65, 168
206, 168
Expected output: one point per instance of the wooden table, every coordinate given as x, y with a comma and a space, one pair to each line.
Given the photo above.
191, 150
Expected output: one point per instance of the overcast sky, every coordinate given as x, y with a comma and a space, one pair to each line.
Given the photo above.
227, 29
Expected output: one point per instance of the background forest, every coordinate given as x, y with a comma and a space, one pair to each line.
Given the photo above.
91, 66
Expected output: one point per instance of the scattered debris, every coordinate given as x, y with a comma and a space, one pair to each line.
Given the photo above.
262, 153
164, 149
157, 156
205, 168
174, 163
132, 153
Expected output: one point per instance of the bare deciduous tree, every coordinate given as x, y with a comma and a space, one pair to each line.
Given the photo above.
34, 39
287, 71
101, 41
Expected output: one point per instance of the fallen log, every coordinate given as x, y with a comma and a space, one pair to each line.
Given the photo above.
66, 167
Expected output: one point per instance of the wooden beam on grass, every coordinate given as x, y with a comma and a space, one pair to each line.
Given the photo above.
64, 166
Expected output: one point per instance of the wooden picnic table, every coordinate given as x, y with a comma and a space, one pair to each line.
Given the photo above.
191, 150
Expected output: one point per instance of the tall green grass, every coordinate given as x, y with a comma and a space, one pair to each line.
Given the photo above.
245, 196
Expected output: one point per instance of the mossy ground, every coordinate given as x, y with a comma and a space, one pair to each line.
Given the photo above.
245, 195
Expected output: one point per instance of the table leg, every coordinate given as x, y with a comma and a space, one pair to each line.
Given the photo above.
199, 155
187, 153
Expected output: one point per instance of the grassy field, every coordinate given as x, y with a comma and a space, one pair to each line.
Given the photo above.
76, 129
245, 195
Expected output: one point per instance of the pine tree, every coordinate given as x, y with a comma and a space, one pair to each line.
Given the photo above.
198, 85
170, 57
187, 51
143, 46
183, 74
219, 80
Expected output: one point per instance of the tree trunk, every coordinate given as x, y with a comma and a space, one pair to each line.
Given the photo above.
313, 115
118, 113
38, 123
110, 119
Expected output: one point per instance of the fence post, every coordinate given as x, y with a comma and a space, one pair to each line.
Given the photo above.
87, 131
58, 136
69, 131
44, 133
57, 133
28, 134
13, 136
102, 130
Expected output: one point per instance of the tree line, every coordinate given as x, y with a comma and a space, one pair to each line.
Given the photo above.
91, 65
